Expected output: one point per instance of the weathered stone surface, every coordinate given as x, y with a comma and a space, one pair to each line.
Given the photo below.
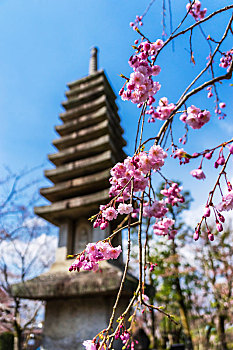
81, 167
74, 91
85, 150
82, 135
76, 187
59, 282
73, 207
69, 322
82, 122
84, 82
88, 107
83, 97
90, 119
95, 86
90, 133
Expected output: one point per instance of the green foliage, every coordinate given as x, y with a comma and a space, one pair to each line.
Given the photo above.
6, 341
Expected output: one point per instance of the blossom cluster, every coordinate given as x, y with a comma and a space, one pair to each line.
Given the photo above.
162, 227
123, 175
137, 22
93, 254
226, 59
195, 117
135, 167
196, 11
157, 209
173, 194
140, 86
162, 112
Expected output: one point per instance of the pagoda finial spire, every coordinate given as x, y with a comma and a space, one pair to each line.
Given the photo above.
93, 64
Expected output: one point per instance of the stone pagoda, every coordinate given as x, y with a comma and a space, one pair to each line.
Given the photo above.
78, 305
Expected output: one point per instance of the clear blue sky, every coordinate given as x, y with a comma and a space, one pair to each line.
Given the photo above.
45, 43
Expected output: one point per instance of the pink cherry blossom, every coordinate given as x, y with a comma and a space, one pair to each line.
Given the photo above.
198, 174
140, 86
125, 208
94, 253
196, 11
227, 202
173, 194
89, 345
226, 59
157, 209
161, 228
195, 118
110, 213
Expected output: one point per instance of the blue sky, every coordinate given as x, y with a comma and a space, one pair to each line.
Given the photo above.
45, 43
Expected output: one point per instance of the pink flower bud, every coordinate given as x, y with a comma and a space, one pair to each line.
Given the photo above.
196, 236
222, 104
206, 212
96, 224
221, 217
211, 236
219, 226
231, 149
221, 161
208, 155
103, 225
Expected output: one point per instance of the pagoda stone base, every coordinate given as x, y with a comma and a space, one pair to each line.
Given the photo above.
68, 322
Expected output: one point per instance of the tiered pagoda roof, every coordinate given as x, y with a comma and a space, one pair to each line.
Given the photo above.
90, 143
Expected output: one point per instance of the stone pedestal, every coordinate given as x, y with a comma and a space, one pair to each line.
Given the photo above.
69, 322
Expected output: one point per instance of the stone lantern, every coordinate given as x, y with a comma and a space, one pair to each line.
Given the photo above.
78, 305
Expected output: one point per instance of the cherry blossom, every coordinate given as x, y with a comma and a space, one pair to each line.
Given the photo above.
198, 174
173, 194
195, 117
227, 202
226, 59
93, 254
124, 208
196, 11
161, 228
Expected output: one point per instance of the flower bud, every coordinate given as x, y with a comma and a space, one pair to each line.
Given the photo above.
103, 225
222, 104
196, 236
211, 236
221, 161
206, 212
221, 217
96, 224
219, 226
231, 149
208, 155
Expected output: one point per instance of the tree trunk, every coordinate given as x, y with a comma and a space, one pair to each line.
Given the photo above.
18, 337
182, 307
207, 337
17, 327
221, 332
